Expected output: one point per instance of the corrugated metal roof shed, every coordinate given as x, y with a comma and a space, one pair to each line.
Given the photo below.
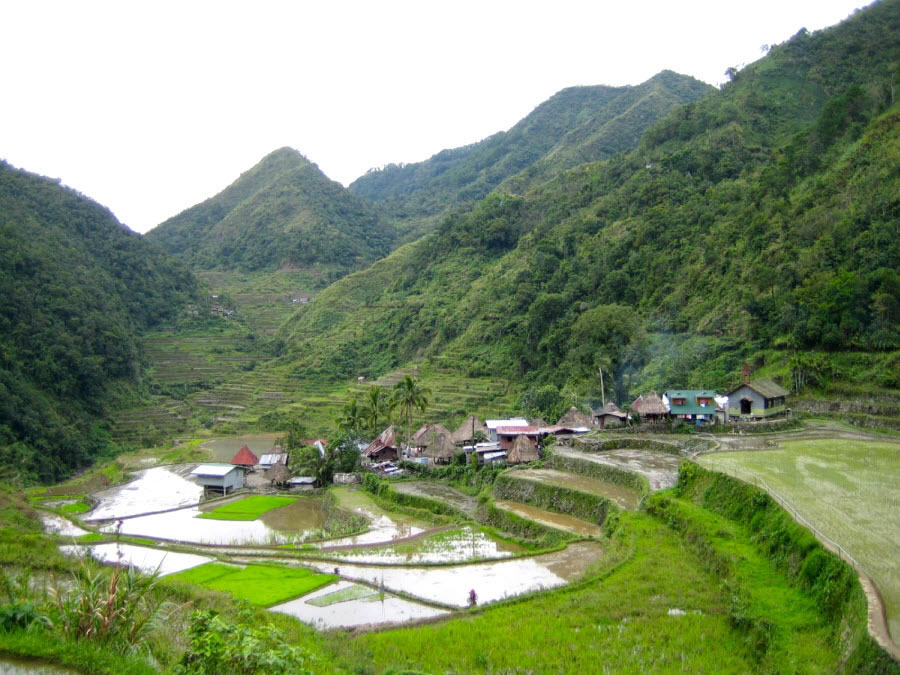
213, 470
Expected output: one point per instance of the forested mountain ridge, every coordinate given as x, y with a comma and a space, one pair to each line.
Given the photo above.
282, 212
576, 125
77, 288
763, 216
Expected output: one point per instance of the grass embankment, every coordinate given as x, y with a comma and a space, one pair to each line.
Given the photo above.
590, 507
788, 594
847, 489
248, 508
610, 474
260, 585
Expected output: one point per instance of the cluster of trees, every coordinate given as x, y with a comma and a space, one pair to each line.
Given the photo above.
381, 406
77, 289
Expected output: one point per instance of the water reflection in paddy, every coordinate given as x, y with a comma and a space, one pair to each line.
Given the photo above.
365, 607
154, 489
456, 545
450, 585
54, 524
305, 515
145, 559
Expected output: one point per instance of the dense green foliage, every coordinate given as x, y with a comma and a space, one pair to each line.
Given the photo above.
77, 288
576, 125
760, 217
284, 212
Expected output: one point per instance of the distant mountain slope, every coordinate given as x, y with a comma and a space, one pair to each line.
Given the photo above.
282, 212
77, 287
576, 125
762, 216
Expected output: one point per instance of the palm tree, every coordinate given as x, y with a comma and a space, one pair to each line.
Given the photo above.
352, 416
376, 408
409, 394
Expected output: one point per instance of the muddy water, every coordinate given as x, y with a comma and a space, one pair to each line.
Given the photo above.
457, 545
13, 665
623, 496
493, 581
154, 489
551, 519
440, 492
145, 559
54, 524
375, 608
184, 525
303, 515
223, 449
660, 468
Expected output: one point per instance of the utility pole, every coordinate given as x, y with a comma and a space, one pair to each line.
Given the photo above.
602, 393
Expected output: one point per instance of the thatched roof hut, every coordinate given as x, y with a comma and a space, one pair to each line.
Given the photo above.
441, 449
426, 435
574, 418
465, 434
279, 474
383, 447
610, 415
523, 450
652, 406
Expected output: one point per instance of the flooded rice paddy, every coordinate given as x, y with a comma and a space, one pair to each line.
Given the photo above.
659, 468
54, 524
623, 496
154, 489
327, 608
552, 519
440, 492
145, 559
493, 581
454, 545
183, 525
384, 526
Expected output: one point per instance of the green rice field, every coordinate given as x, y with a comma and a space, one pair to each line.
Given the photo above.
249, 508
258, 584
849, 490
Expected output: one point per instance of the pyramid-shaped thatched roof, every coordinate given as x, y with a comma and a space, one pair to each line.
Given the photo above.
442, 447
636, 403
522, 450
464, 433
245, 457
279, 473
611, 409
574, 418
427, 434
652, 404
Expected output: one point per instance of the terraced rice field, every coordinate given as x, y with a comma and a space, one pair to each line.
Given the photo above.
660, 468
624, 497
848, 489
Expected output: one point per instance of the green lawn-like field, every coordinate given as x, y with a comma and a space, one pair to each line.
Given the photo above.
249, 508
258, 584
850, 490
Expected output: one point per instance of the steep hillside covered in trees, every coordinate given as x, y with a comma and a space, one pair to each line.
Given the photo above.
763, 216
282, 212
77, 288
576, 125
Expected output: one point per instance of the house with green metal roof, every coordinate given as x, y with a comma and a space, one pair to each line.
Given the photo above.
694, 405
757, 400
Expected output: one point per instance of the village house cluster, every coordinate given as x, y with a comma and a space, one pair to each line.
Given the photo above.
518, 440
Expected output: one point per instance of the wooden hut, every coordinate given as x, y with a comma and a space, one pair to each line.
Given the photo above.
575, 418
523, 450
279, 474
609, 416
384, 447
425, 436
245, 458
468, 430
441, 450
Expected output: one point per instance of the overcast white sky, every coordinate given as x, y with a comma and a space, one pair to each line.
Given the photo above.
151, 107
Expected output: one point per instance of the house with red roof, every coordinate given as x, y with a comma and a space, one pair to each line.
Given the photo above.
245, 458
